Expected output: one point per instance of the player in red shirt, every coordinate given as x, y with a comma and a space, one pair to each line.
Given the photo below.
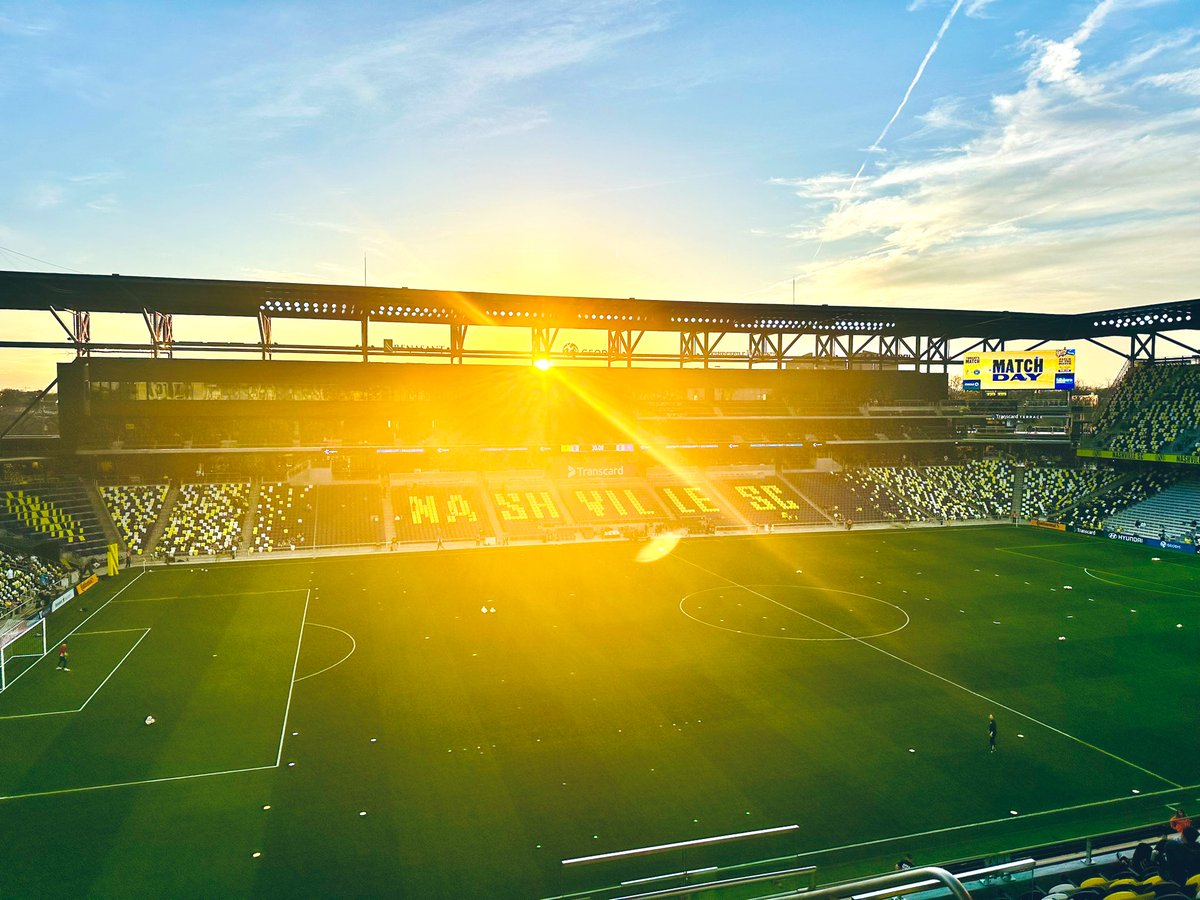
62, 657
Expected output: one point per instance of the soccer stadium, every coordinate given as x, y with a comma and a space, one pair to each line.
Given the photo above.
575, 597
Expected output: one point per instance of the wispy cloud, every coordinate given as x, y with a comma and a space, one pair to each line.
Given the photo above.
44, 196
83, 190
1080, 183
450, 67
24, 20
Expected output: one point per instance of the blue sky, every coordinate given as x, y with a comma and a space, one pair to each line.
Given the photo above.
1044, 159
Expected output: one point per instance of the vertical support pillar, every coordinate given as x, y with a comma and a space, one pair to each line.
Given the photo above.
162, 332
264, 334
541, 342
458, 341
1142, 346
81, 331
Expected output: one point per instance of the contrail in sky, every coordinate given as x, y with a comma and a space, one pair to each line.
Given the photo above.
899, 109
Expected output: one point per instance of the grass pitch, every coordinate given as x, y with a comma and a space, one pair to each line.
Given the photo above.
360, 727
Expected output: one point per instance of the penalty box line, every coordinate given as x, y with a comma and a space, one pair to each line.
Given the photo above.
171, 778
941, 678
210, 596
95, 613
128, 653
121, 784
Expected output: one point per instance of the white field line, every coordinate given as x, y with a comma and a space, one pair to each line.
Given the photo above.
353, 647
81, 624
114, 671
210, 596
113, 631
292, 685
53, 712
1159, 587
941, 678
61, 712
696, 842
103, 787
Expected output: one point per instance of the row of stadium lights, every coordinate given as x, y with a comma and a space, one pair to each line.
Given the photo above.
780, 323
409, 311
305, 306
1143, 320
334, 308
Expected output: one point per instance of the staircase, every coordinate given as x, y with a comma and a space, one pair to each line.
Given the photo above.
111, 535
1018, 490
251, 517
164, 516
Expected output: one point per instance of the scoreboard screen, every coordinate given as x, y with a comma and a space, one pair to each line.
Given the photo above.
1030, 370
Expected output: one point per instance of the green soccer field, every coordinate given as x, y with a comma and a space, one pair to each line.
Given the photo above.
361, 727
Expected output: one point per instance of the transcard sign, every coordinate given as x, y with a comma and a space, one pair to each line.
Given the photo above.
1031, 370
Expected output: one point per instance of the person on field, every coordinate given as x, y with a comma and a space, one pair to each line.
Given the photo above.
62, 657
992, 734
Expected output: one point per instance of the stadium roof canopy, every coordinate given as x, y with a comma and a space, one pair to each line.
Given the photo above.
197, 297
771, 334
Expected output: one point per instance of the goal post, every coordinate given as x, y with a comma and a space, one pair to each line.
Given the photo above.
20, 629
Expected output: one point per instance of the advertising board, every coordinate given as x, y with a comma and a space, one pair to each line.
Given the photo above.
1030, 370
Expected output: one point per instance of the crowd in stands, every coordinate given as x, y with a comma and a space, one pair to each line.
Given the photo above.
1050, 489
284, 518
1156, 410
134, 509
207, 519
26, 576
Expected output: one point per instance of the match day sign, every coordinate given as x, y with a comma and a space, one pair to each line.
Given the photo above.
1030, 370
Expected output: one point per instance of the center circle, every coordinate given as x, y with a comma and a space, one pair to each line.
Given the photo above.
791, 612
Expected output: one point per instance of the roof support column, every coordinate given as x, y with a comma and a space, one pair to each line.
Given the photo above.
541, 342
264, 334
81, 327
621, 344
1142, 346
458, 341
697, 346
162, 332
